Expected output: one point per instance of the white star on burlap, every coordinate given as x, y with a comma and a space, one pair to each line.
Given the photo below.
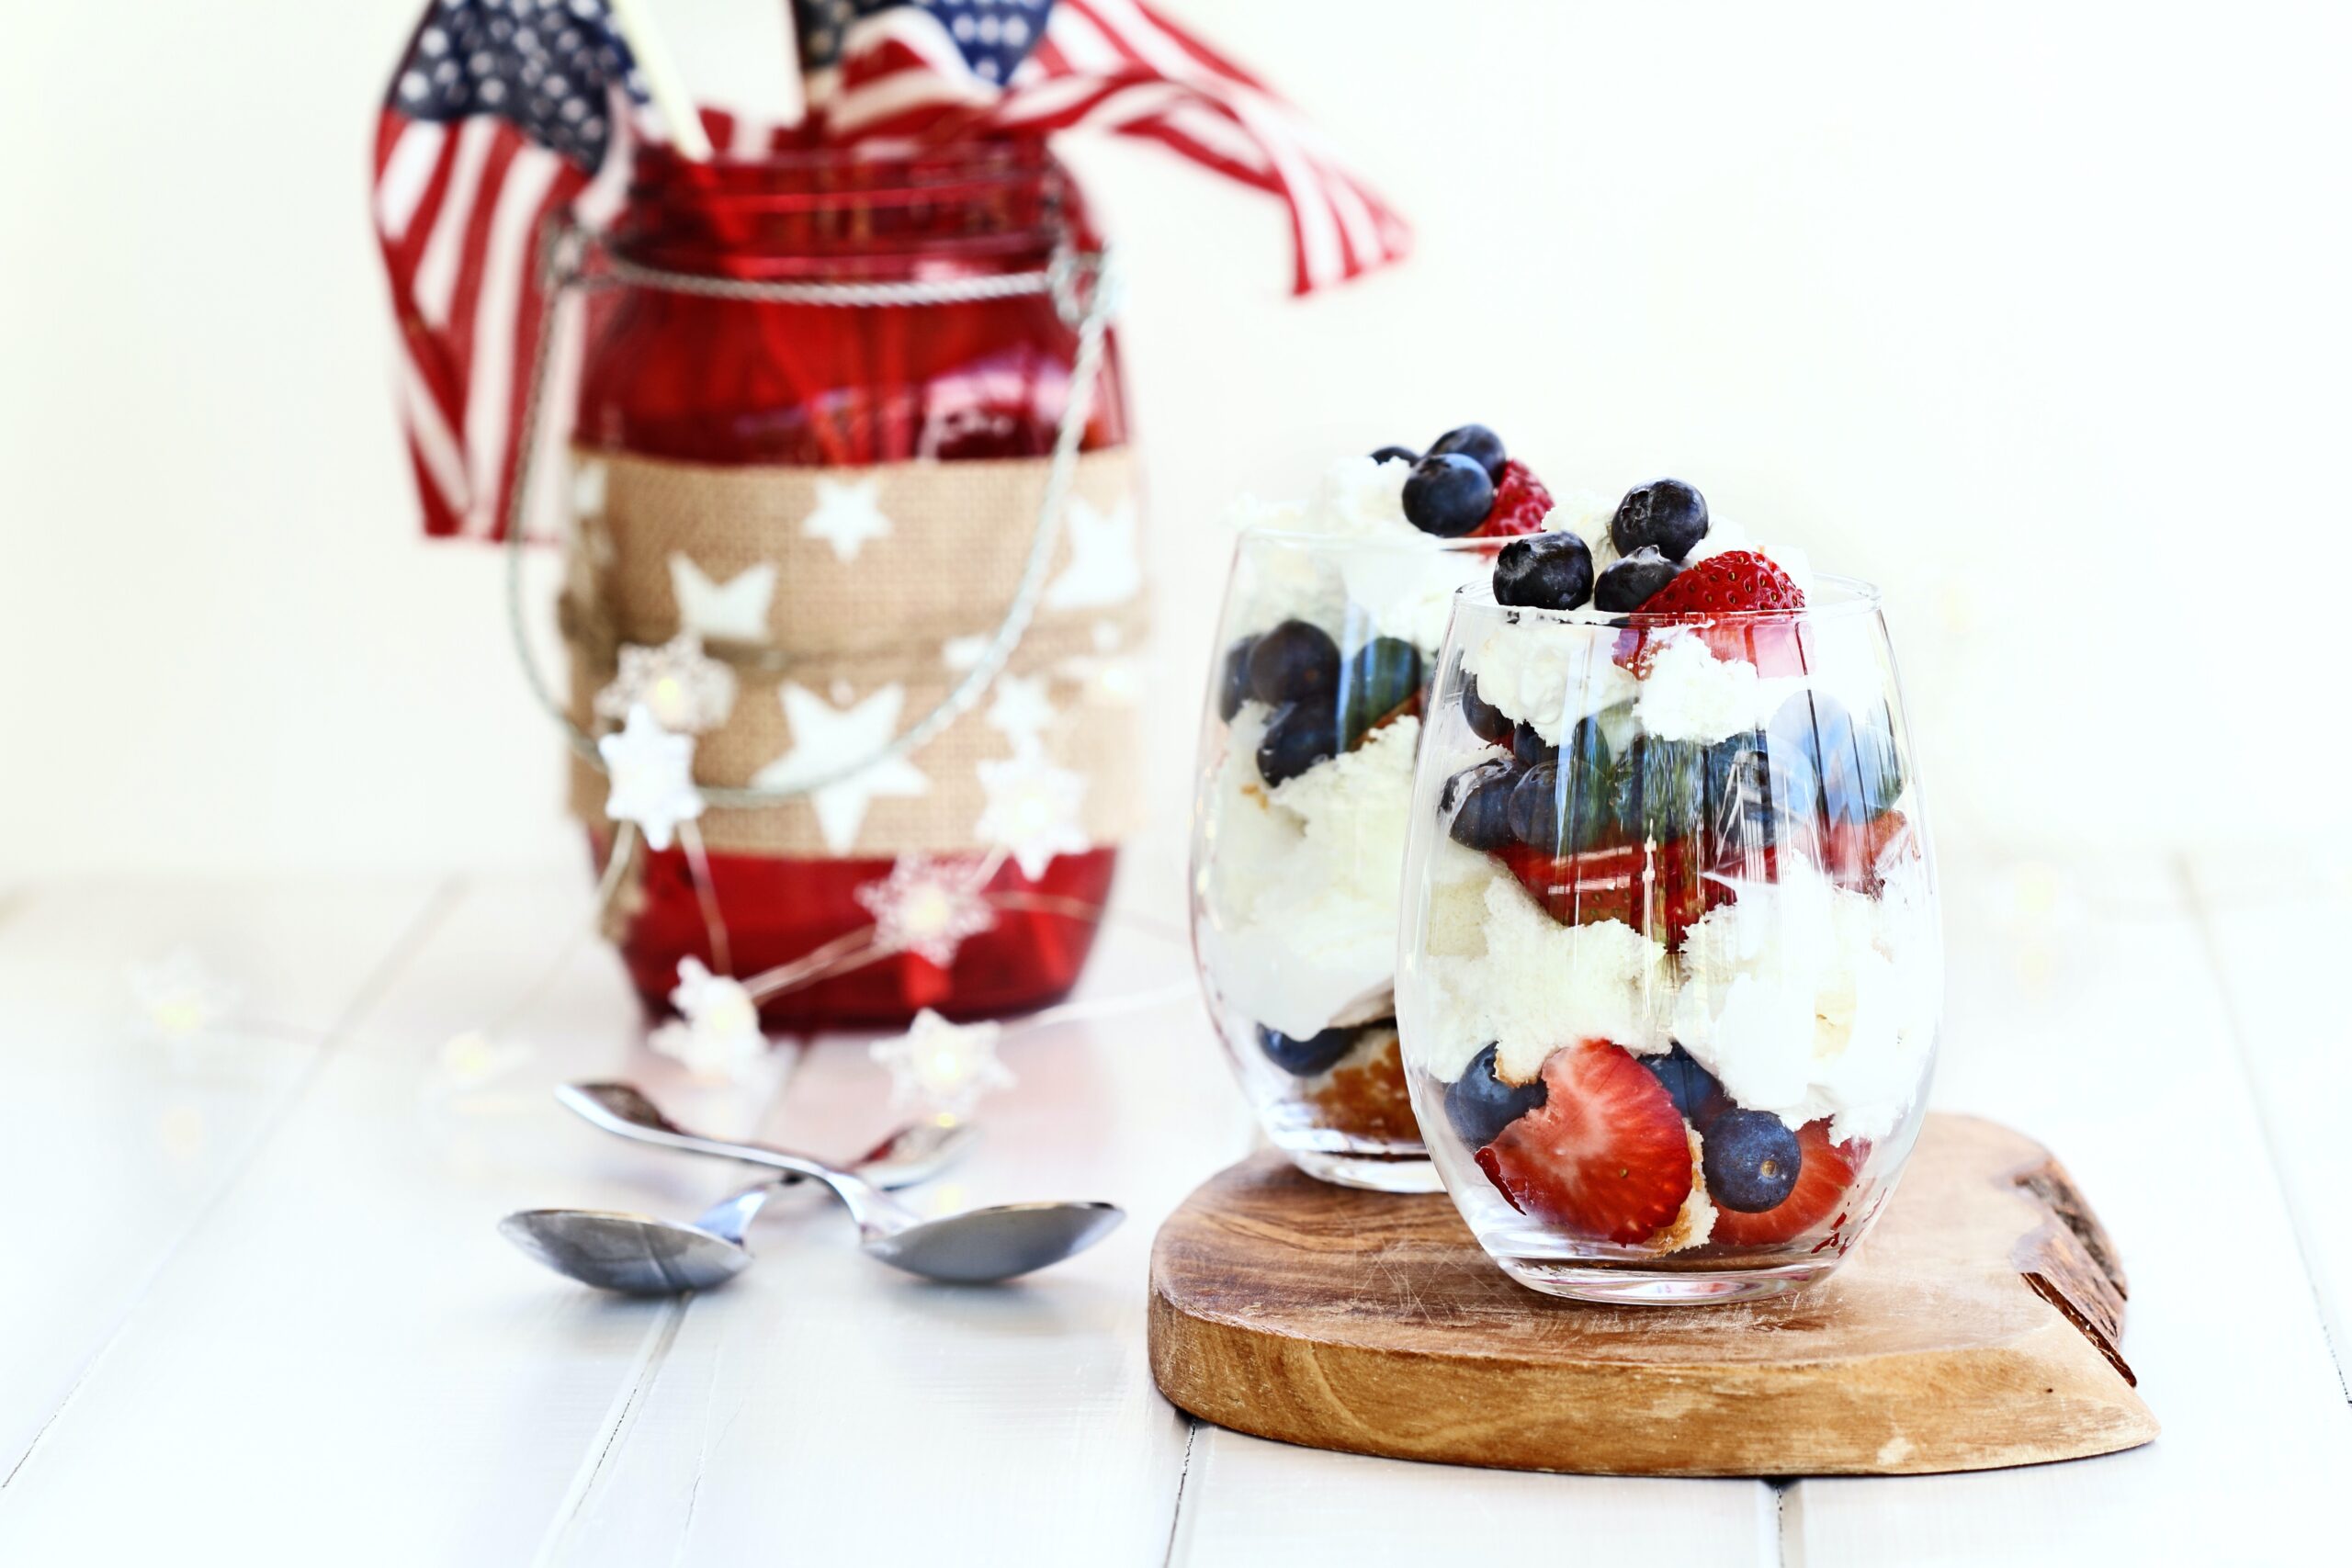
718, 1034
736, 609
941, 1068
652, 776
927, 907
685, 688
1021, 712
1103, 567
849, 513
1033, 811
826, 740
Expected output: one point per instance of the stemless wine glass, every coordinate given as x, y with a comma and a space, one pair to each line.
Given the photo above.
1671, 964
1302, 800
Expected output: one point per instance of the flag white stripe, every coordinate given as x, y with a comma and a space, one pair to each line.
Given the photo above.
436, 272
505, 262
1142, 35
1081, 42
1219, 134
408, 175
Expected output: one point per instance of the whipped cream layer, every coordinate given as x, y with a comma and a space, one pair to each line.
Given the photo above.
1301, 880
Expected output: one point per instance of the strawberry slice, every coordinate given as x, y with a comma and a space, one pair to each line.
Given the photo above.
1851, 852
1520, 504
1604, 1155
1821, 1186
1657, 891
1736, 581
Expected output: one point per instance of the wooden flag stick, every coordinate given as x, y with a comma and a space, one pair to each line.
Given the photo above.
662, 80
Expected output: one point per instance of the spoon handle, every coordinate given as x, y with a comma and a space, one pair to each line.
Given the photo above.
621, 1109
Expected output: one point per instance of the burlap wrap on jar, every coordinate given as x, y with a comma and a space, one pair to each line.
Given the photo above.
849, 602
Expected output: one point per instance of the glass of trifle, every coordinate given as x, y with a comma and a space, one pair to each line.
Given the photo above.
1330, 624
1669, 964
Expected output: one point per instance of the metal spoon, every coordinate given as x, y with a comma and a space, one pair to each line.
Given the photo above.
642, 1255
976, 1246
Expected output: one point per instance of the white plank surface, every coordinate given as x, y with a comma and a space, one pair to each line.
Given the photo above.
315, 1348
116, 1142
2279, 928
1252, 1504
344, 1361
829, 1410
2082, 1010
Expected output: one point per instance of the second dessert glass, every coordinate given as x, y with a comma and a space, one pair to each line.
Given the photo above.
1302, 797
1670, 966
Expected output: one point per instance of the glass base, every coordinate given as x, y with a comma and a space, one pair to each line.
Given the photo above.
1376, 1173
1613, 1286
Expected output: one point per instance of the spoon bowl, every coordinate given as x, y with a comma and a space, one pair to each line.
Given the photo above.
636, 1255
982, 1246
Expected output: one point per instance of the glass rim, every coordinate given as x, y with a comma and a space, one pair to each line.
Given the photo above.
1418, 544
1856, 597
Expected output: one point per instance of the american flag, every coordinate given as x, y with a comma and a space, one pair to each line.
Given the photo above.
935, 70
503, 112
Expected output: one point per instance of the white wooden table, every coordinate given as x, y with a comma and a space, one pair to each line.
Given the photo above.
254, 1310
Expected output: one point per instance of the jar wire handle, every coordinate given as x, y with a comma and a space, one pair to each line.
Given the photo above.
1084, 288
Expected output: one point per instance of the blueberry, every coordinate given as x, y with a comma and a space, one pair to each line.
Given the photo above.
1757, 785
1487, 721
1696, 1093
1379, 678
1536, 802
1448, 495
1751, 1161
1478, 443
1233, 685
1481, 1105
1477, 800
1294, 661
1667, 514
1396, 454
1297, 737
1564, 805
1530, 748
1660, 789
1306, 1057
1859, 772
1628, 583
1544, 571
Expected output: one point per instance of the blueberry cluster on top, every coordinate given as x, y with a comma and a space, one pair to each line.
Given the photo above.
1323, 704
1653, 528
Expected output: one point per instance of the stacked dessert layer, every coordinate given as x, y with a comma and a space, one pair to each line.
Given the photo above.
1334, 618
1679, 964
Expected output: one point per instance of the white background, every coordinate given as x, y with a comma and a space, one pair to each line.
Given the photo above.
2034, 313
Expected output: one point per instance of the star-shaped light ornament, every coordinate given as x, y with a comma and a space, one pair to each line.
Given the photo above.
849, 513
685, 689
652, 776
1032, 811
179, 1000
735, 610
1102, 567
718, 1035
1021, 712
943, 1068
926, 907
825, 739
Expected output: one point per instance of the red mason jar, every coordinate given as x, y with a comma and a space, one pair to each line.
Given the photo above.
692, 384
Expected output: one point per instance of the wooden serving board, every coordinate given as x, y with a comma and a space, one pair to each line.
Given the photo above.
1977, 1326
